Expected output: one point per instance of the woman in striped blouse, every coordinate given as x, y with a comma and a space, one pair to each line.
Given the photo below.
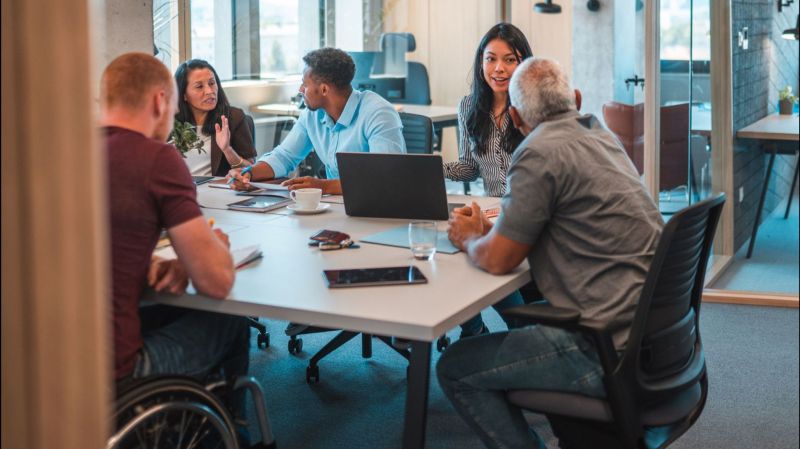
487, 136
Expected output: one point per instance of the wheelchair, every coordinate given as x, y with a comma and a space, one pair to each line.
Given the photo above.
180, 412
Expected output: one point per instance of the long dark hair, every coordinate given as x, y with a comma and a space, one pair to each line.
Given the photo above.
185, 111
478, 115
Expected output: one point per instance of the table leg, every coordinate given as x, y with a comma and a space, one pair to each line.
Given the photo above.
437, 131
761, 200
417, 395
794, 184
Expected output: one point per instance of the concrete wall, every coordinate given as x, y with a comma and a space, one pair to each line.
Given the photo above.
758, 72
127, 26
607, 48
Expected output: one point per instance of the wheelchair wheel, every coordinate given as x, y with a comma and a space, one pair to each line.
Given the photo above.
174, 412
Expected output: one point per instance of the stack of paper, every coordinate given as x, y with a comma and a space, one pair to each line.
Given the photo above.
245, 255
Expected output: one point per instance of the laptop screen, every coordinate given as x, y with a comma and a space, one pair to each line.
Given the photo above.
383, 185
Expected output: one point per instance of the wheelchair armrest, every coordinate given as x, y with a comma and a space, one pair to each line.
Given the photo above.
544, 314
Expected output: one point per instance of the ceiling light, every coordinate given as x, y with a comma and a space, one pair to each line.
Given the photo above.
548, 7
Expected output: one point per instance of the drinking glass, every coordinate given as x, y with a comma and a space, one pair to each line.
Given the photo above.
422, 239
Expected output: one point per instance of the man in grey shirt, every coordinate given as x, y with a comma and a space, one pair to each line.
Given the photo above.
575, 207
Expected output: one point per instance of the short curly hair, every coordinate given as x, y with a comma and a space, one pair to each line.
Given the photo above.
332, 66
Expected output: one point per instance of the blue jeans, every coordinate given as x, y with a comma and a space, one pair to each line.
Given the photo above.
475, 374
474, 325
194, 343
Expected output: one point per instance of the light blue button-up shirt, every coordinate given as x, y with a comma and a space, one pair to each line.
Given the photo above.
368, 124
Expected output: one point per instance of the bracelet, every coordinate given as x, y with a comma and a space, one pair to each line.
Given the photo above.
238, 164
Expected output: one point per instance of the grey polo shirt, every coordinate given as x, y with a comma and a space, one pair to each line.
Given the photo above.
574, 195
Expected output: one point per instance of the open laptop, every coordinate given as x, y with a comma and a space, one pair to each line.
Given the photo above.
383, 185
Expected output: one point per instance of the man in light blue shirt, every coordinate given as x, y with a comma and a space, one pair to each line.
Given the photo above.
338, 118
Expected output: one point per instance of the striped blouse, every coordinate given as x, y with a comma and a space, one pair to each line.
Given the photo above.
492, 166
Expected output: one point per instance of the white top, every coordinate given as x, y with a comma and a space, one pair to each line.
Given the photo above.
199, 163
288, 284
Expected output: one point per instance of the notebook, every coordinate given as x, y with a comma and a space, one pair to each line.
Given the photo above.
245, 255
399, 237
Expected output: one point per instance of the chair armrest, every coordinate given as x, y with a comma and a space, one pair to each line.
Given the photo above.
544, 314
568, 319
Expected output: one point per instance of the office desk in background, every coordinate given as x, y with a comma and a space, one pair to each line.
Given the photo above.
441, 116
287, 284
774, 131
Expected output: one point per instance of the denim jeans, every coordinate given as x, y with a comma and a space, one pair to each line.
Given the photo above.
474, 325
475, 374
194, 343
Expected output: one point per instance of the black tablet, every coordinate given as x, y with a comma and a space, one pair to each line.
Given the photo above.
260, 203
201, 179
364, 277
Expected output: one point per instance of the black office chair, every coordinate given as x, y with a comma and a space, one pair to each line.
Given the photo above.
417, 132
263, 335
656, 388
418, 86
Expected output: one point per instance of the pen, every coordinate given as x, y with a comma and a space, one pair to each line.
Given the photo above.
245, 171
211, 222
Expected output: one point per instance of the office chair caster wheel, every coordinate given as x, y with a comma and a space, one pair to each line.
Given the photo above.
442, 343
295, 345
263, 340
312, 373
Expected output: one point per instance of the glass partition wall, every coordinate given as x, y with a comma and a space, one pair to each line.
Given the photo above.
685, 107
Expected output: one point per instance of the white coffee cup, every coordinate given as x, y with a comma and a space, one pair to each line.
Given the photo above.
306, 199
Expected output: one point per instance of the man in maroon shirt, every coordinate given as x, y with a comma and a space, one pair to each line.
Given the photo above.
150, 188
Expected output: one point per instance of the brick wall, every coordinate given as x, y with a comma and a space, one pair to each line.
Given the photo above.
768, 64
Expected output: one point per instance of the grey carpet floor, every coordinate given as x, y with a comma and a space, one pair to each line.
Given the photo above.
752, 356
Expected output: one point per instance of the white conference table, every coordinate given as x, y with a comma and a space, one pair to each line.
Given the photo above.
287, 284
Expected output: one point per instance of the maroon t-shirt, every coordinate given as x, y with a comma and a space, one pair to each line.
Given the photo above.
150, 188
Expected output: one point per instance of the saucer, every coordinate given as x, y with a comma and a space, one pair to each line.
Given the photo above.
322, 207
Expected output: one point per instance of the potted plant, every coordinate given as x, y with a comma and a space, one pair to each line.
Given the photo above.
185, 138
786, 100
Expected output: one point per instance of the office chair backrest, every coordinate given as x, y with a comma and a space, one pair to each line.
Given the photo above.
251, 125
674, 149
664, 356
404, 41
418, 85
417, 132
627, 123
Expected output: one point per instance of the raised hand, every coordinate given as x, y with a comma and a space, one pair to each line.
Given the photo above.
223, 134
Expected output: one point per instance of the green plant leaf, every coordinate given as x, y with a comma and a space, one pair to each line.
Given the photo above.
185, 138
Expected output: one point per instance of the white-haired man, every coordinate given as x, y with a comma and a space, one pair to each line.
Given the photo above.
576, 209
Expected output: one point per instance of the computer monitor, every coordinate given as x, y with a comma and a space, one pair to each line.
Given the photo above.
370, 75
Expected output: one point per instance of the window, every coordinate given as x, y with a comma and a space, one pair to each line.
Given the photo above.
166, 32
279, 37
685, 30
263, 39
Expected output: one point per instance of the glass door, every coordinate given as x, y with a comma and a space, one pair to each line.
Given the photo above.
685, 107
